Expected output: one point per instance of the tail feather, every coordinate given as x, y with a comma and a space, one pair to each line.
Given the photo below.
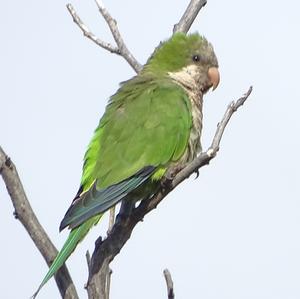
76, 235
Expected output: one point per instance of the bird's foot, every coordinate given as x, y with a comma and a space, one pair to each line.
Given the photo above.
168, 178
166, 182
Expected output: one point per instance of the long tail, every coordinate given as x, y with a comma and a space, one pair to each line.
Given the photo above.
76, 235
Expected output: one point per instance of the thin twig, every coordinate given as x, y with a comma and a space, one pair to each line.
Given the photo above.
205, 157
189, 16
89, 34
88, 258
107, 249
169, 282
108, 281
233, 106
111, 221
121, 48
183, 26
88, 261
25, 214
112, 24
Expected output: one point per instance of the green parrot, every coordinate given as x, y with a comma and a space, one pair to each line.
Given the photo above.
151, 127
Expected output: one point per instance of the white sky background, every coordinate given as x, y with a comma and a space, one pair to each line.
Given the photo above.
233, 232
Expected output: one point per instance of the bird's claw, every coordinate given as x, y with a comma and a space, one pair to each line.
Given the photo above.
166, 182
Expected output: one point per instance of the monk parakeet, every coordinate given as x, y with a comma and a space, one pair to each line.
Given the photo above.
151, 126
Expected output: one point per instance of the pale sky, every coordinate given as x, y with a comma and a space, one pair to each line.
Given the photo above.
232, 233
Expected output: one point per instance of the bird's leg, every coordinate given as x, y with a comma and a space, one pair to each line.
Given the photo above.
166, 182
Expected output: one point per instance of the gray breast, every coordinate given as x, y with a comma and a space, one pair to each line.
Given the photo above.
187, 79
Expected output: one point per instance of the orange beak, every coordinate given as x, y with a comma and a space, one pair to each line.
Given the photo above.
214, 77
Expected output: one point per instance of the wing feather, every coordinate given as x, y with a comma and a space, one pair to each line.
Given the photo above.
145, 128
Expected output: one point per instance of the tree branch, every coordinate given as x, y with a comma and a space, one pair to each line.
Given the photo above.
121, 48
25, 214
112, 24
106, 250
205, 157
169, 282
189, 16
87, 32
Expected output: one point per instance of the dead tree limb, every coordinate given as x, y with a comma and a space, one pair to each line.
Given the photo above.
25, 214
189, 16
121, 48
106, 250
169, 282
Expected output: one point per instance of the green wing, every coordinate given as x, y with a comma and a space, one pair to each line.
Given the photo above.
146, 127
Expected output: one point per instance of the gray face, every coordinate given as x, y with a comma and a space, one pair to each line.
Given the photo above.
204, 56
204, 66
201, 72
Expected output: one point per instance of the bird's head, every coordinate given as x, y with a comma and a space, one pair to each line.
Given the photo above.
189, 59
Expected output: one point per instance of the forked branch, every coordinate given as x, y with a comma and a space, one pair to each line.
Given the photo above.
106, 250
121, 48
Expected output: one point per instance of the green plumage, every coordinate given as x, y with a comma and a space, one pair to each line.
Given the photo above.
156, 110
144, 131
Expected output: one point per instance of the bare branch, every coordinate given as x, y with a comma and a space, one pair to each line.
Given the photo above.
169, 282
189, 16
183, 26
112, 215
111, 222
233, 106
25, 214
106, 250
205, 157
100, 282
112, 24
89, 34
88, 258
108, 280
99, 272
121, 48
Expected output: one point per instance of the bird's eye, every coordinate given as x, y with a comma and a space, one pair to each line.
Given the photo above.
196, 58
